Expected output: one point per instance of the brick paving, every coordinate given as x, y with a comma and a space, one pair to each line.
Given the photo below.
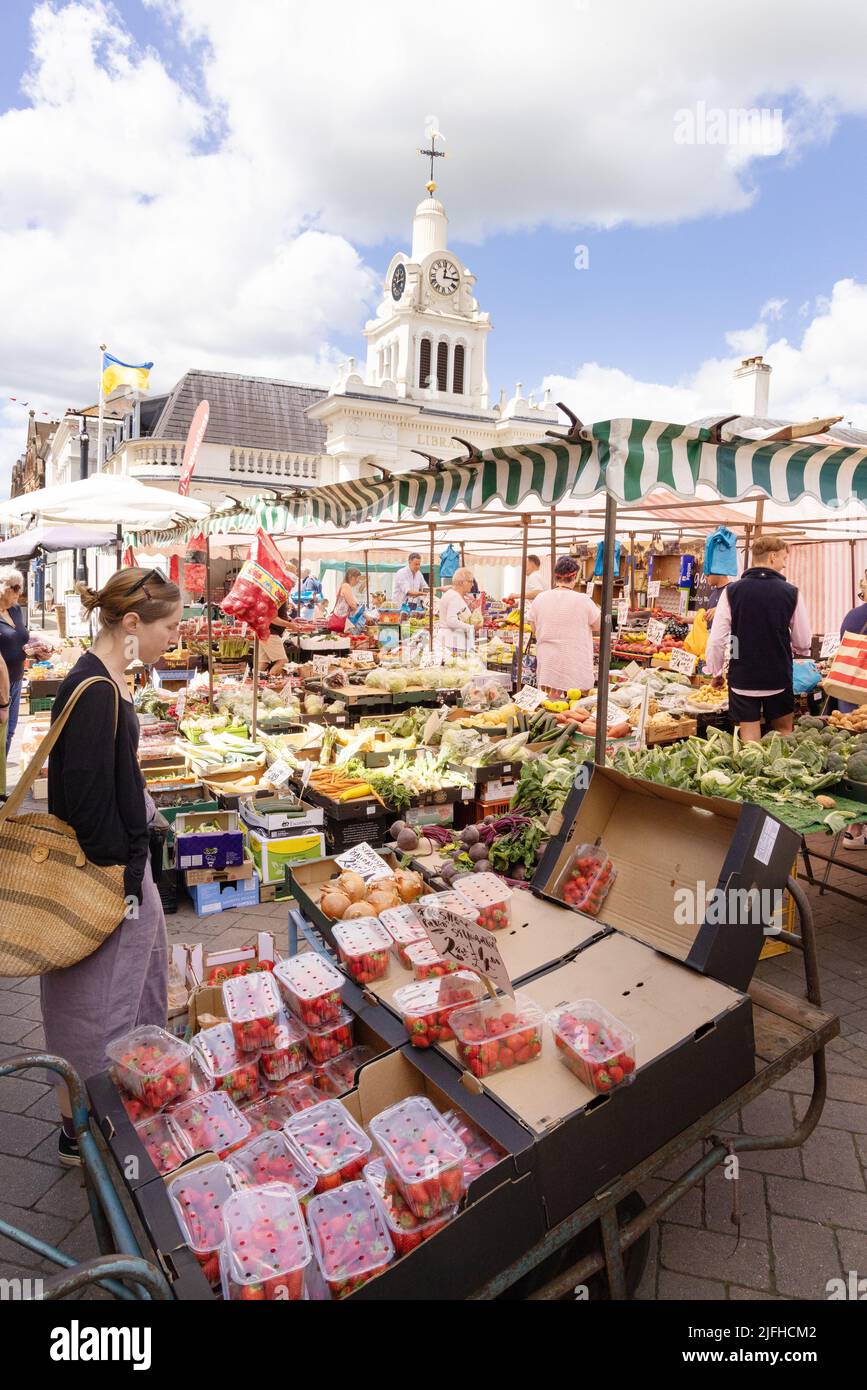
803, 1212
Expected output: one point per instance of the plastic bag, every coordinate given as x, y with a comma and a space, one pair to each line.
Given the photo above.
697, 637
483, 692
261, 588
805, 677
195, 569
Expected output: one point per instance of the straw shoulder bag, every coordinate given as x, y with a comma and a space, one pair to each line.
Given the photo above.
55, 906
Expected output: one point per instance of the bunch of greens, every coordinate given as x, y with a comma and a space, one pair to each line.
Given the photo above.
544, 784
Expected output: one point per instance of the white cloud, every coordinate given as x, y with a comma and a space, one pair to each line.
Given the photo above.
206, 217
824, 375
773, 308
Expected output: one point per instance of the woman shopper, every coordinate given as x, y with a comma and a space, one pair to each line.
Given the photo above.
94, 783
456, 624
4, 715
348, 610
855, 621
564, 622
14, 637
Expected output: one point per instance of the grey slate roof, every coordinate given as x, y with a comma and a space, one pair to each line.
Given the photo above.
248, 411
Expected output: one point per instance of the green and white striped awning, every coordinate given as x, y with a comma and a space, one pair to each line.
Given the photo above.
627, 458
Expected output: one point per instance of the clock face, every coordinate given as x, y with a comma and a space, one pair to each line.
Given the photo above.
398, 282
444, 276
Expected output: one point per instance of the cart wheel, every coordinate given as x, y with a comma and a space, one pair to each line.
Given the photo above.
635, 1261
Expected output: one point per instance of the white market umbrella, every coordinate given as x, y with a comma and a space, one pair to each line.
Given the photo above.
105, 498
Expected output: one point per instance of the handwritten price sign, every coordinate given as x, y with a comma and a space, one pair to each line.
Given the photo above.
459, 939
830, 643
361, 859
529, 698
653, 588
655, 631
684, 662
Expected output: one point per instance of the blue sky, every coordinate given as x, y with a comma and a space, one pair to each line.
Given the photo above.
320, 164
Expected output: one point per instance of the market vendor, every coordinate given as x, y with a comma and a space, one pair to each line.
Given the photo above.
534, 584
14, 639
95, 785
760, 621
308, 595
455, 632
409, 583
272, 654
564, 622
716, 583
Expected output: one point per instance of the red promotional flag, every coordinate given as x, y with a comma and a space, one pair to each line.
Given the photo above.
129, 560
195, 435
175, 569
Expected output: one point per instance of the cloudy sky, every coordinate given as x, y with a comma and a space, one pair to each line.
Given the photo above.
211, 184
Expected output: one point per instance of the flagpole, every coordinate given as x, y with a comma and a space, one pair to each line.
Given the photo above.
101, 412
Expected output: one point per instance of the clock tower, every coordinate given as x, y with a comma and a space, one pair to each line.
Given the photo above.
425, 378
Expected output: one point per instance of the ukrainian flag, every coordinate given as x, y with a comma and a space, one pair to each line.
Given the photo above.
116, 373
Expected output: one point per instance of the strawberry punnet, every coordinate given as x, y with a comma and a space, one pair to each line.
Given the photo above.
288, 1055
311, 987
498, 1034
426, 1006
211, 1123
423, 1156
405, 1228
482, 1152
331, 1039
349, 1236
166, 1148
595, 1045
364, 947
335, 1147
235, 1072
198, 1197
253, 1009
266, 1252
151, 1065
589, 880
270, 1158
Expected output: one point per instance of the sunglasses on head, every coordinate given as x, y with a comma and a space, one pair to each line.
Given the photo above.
146, 579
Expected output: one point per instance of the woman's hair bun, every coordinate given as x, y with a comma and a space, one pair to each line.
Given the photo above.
90, 598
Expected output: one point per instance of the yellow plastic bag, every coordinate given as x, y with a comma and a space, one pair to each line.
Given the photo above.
696, 639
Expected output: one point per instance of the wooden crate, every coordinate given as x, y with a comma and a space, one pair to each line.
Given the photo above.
684, 729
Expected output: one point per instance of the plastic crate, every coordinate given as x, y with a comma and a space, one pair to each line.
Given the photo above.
41, 704
341, 835
492, 808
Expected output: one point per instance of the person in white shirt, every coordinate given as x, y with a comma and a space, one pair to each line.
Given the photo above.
456, 624
535, 584
409, 582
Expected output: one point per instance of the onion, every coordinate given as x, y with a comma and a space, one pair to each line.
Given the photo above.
334, 904
381, 899
362, 909
352, 885
409, 885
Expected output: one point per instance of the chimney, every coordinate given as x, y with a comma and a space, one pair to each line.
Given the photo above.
752, 383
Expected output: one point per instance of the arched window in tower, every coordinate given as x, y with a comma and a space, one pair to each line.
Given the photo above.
443, 367
458, 371
424, 362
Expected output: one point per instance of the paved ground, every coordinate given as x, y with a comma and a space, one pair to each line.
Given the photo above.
804, 1212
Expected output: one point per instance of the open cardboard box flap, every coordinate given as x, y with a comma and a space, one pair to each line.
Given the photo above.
668, 846
661, 1003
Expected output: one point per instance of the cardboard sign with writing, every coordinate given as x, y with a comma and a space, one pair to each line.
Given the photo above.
622, 611
830, 644
529, 698
655, 631
278, 773
684, 662
458, 938
322, 664
653, 588
361, 859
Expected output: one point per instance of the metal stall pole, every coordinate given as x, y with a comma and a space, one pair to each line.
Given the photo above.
553, 542
851, 567
519, 673
255, 687
45, 578
430, 602
209, 623
605, 631
118, 547
299, 574
632, 569
366, 581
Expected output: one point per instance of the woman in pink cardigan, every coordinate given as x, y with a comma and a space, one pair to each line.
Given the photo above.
564, 622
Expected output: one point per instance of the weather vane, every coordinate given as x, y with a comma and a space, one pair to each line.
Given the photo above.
432, 154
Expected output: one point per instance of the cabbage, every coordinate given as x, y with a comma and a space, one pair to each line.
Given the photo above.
396, 683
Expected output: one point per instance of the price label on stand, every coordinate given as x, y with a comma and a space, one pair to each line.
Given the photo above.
322, 664
181, 703
681, 661
655, 631
529, 698
653, 588
459, 939
622, 612
830, 643
361, 859
278, 773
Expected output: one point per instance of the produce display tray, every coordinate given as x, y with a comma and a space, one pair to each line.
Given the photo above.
684, 729
352, 694
492, 772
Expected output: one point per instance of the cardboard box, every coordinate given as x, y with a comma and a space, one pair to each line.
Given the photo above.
695, 1047
199, 962
309, 880
268, 814
670, 849
502, 1217
209, 898
223, 849
238, 874
272, 855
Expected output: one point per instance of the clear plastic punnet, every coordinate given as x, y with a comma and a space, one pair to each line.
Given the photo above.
450, 901
595, 1045
349, 1236
252, 1008
341, 1072
270, 1158
331, 1039
266, 1249
311, 987
588, 879
288, 1056
427, 1005
201, 1080
404, 926
405, 1228
211, 1124
332, 1143
424, 1156
489, 898
498, 1034
364, 947
198, 1197
482, 1152
426, 962
166, 1148
235, 1072
151, 1065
